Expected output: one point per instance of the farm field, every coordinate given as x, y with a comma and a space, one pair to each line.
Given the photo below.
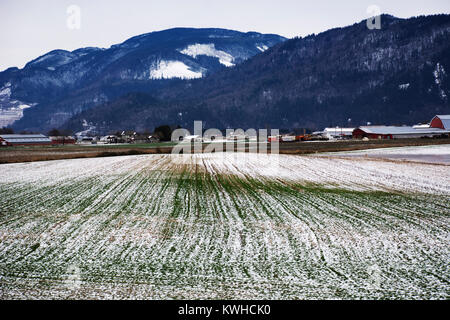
224, 226
429, 154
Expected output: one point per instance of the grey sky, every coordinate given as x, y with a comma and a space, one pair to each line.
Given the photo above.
30, 28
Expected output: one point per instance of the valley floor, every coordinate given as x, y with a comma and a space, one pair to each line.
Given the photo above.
224, 226
20, 154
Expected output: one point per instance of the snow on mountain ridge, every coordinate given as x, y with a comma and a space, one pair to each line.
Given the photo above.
209, 50
64, 82
54, 58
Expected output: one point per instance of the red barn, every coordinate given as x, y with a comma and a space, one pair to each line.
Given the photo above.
63, 140
441, 122
365, 132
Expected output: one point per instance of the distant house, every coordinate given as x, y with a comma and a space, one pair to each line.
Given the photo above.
441, 122
109, 139
87, 140
128, 136
24, 140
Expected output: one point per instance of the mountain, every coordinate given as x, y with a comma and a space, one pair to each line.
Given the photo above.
60, 84
344, 76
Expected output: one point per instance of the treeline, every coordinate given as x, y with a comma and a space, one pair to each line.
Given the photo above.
163, 133
6, 130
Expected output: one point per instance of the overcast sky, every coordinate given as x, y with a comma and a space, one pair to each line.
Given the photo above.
30, 28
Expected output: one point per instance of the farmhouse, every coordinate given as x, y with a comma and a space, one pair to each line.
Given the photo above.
24, 140
109, 139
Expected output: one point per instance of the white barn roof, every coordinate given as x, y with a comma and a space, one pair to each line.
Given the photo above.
339, 129
400, 130
25, 138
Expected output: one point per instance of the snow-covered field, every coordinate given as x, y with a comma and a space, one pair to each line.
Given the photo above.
430, 154
224, 226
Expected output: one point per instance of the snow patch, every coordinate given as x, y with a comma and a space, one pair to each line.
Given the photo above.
439, 75
262, 48
6, 90
218, 37
88, 129
173, 69
404, 86
209, 50
43, 58
11, 110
